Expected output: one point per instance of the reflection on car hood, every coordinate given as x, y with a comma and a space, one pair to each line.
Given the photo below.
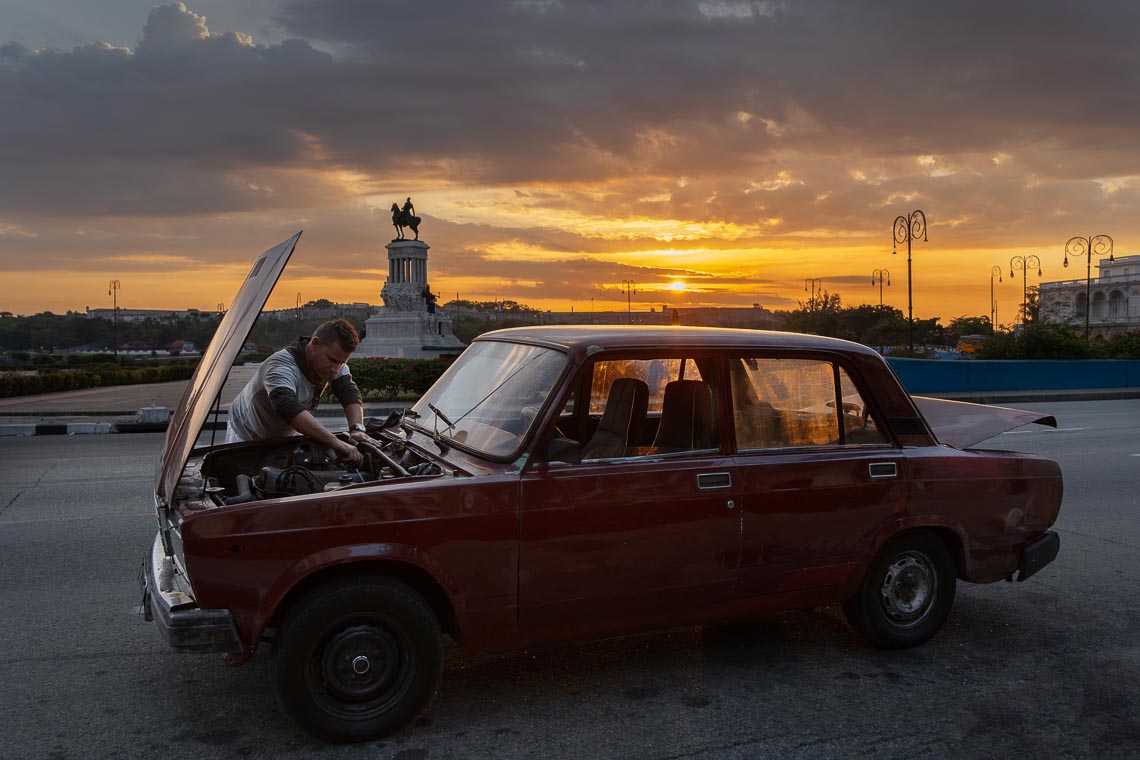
961, 424
210, 374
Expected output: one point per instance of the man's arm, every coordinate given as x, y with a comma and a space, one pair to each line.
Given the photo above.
347, 392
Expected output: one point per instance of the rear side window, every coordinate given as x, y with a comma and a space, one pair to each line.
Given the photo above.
796, 403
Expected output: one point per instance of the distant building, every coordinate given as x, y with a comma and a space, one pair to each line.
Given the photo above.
754, 317
1114, 293
139, 315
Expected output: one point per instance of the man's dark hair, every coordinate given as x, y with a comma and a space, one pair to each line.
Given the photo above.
340, 330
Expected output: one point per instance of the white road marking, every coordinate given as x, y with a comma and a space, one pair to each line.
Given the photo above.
1043, 430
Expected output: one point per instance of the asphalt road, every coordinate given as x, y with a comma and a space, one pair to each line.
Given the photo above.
1048, 668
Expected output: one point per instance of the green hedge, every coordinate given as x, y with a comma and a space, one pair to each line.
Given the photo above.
387, 378
53, 380
392, 377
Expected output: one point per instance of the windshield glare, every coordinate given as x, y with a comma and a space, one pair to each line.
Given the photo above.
492, 394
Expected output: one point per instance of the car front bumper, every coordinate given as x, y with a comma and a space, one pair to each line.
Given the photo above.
168, 601
1039, 554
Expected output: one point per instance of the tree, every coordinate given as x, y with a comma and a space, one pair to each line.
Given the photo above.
1038, 341
960, 326
1030, 310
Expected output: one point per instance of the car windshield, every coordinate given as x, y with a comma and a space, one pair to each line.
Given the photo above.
489, 398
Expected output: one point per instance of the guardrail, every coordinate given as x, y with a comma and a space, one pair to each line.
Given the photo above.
925, 376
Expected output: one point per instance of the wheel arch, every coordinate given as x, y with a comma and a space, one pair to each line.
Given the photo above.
414, 577
949, 537
951, 540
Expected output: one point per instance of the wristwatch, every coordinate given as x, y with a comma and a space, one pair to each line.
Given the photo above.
356, 426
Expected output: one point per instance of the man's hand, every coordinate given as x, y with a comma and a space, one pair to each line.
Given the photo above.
349, 452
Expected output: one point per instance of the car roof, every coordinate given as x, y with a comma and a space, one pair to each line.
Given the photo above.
656, 336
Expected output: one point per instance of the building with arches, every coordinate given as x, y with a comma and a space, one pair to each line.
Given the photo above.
1114, 295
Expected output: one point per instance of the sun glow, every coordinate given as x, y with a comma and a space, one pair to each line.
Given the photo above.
676, 286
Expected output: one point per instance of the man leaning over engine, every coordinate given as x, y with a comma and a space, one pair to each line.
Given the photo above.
280, 398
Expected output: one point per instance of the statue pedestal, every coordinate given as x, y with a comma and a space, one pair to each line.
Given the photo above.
408, 325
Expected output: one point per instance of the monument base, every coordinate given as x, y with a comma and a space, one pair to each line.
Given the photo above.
407, 335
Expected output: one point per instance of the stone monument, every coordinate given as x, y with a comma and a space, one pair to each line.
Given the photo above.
409, 324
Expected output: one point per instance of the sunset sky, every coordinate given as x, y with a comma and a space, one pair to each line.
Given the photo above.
716, 153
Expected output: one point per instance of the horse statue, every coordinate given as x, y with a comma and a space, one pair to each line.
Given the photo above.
405, 217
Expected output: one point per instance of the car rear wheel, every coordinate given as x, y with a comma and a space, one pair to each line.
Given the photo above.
357, 660
906, 594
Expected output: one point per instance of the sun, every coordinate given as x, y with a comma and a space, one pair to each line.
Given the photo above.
676, 286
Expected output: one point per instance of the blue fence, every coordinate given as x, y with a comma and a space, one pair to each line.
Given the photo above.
924, 376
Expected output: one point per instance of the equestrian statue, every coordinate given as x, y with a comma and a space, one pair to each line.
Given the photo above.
405, 217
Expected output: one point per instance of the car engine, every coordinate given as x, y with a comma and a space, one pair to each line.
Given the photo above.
292, 467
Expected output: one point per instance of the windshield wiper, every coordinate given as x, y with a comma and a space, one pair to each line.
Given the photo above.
442, 416
443, 447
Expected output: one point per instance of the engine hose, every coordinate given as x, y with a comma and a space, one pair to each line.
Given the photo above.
244, 491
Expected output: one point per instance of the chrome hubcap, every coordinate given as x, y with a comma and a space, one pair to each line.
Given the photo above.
908, 589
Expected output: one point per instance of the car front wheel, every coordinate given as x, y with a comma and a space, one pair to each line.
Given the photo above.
906, 594
357, 660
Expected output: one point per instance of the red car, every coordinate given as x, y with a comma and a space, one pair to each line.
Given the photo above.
581, 481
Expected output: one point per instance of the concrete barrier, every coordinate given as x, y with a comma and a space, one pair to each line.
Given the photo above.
90, 428
970, 376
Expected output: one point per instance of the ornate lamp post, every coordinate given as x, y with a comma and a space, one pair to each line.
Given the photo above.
877, 276
113, 290
995, 271
1089, 247
1024, 263
627, 285
906, 229
814, 284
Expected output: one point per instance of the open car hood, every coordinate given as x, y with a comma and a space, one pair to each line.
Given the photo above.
961, 424
219, 356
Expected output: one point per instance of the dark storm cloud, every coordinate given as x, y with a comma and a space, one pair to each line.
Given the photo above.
518, 92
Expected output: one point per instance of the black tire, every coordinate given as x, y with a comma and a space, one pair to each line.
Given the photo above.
358, 659
907, 593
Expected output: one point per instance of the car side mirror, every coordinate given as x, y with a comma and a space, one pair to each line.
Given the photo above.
563, 450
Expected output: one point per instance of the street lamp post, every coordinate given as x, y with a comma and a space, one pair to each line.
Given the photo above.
815, 284
628, 286
1024, 263
995, 271
113, 290
1088, 247
878, 276
906, 229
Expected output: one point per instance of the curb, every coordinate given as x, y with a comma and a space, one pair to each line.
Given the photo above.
1000, 398
30, 427
47, 428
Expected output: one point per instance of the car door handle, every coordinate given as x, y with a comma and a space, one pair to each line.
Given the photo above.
710, 481
883, 470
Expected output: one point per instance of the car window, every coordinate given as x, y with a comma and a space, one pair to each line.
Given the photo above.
792, 403
655, 373
648, 407
858, 421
